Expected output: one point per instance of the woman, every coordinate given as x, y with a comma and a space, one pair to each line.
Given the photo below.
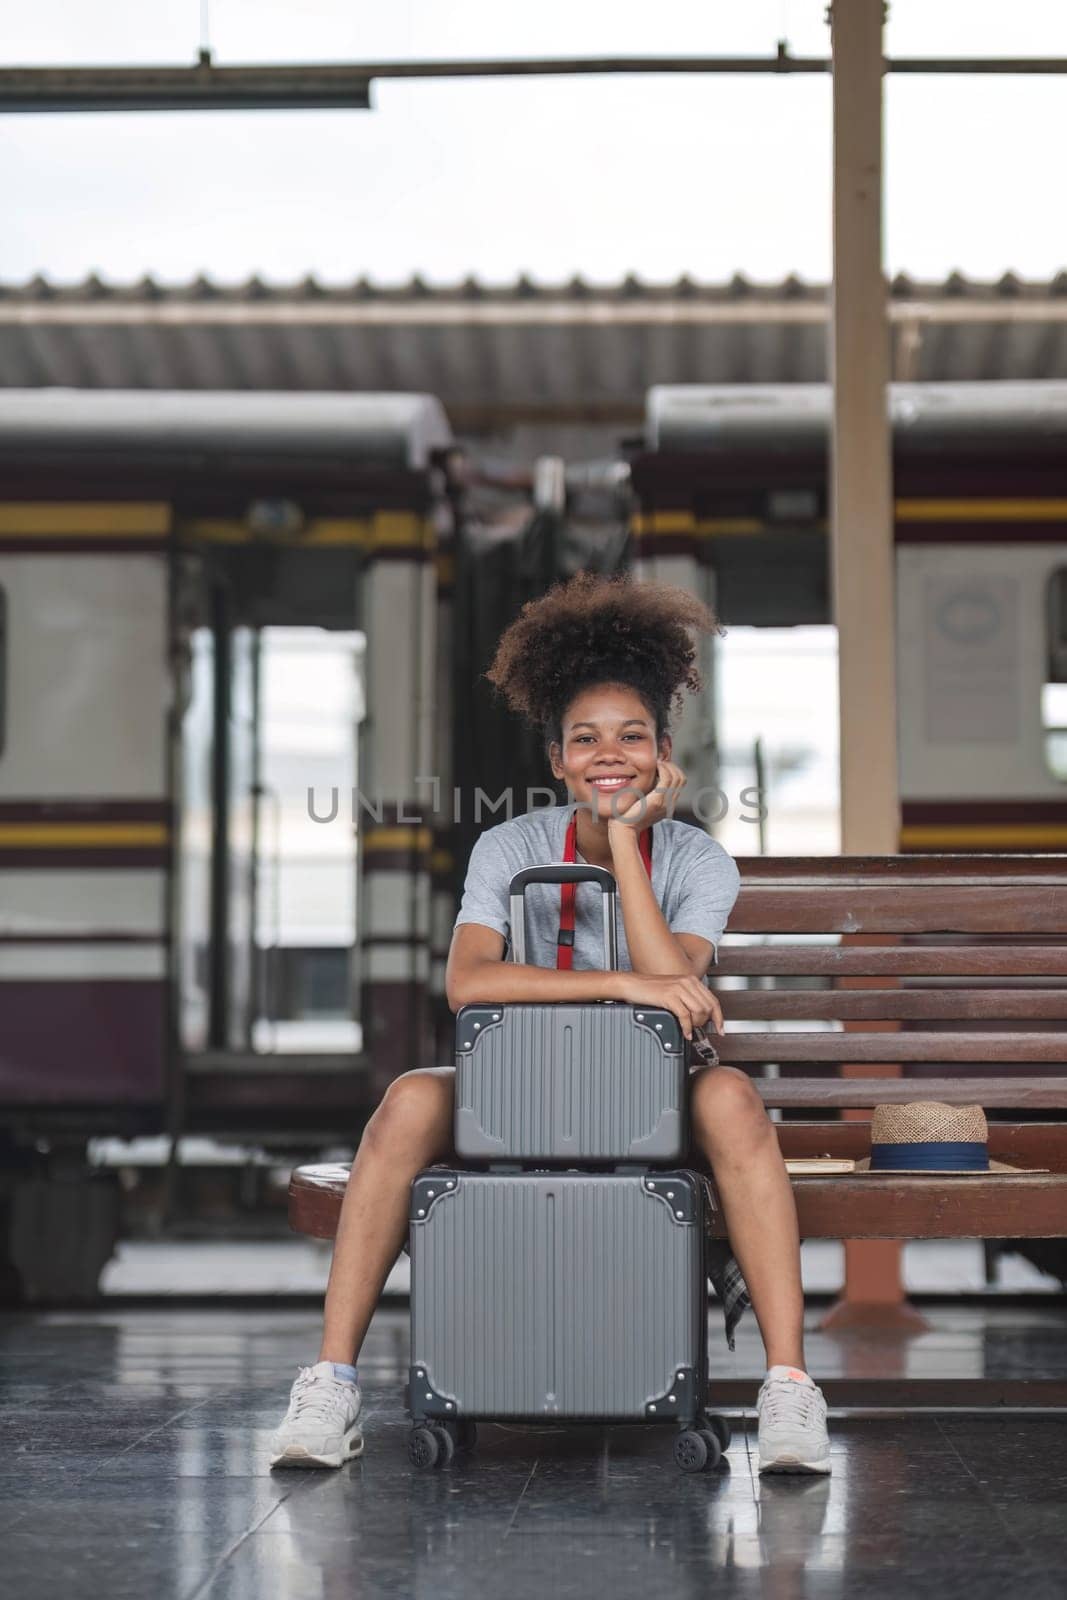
597, 665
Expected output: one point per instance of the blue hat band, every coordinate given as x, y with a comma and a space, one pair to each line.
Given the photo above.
959, 1155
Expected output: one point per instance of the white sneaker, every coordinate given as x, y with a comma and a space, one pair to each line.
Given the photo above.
792, 1423
321, 1426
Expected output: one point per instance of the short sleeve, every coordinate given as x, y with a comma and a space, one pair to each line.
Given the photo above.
709, 888
485, 890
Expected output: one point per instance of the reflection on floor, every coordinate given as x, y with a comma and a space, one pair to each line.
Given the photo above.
301, 1266
135, 1465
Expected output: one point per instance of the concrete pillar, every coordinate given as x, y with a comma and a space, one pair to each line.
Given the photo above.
861, 454
862, 522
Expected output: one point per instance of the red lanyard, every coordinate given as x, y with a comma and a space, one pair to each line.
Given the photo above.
568, 892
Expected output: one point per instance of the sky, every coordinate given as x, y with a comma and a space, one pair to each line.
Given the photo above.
655, 176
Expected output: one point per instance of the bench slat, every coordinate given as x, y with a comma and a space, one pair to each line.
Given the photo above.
315, 1195
824, 1094
873, 961
900, 908
974, 867
882, 1206
824, 1046
883, 1005
1027, 1144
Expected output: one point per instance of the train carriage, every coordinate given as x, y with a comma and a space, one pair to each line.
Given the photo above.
148, 543
731, 485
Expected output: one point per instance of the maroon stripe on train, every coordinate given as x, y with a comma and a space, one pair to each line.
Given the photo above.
32, 857
86, 545
1009, 533
85, 810
82, 1041
977, 847
949, 811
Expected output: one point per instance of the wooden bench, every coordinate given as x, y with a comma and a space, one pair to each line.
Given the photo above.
851, 981
946, 978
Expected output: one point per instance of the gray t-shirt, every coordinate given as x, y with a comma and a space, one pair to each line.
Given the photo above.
694, 879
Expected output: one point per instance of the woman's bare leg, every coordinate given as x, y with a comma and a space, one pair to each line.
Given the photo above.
411, 1129
738, 1138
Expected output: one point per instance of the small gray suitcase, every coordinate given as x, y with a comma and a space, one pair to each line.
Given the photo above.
566, 1296
599, 1081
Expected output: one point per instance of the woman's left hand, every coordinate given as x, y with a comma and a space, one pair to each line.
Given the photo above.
652, 808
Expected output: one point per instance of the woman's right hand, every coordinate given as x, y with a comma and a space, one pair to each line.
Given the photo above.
691, 1002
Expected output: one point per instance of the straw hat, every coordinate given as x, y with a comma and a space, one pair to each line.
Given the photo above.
926, 1136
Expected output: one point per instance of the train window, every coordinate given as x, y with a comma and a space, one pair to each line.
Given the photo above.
3, 670
1054, 691
1054, 722
310, 706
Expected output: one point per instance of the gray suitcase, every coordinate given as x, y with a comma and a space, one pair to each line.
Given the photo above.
567, 1296
600, 1081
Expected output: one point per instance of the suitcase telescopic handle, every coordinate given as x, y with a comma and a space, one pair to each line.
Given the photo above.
563, 872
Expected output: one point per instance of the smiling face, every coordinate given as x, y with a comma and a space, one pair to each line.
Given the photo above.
609, 745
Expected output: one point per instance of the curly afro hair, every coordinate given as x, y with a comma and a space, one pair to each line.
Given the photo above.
591, 630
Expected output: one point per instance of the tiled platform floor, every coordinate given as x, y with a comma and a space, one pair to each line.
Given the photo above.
135, 1464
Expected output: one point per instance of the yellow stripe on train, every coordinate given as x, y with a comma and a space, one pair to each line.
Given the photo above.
132, 519
991, 835
397, 837
385, 530
981, 511
82, 835
648, 524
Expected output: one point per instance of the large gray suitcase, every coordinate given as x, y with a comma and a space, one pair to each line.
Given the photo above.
562, 1296
593, 1082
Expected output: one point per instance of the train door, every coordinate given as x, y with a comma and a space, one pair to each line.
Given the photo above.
267, 870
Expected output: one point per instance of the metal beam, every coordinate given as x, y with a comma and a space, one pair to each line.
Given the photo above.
200, 88
347, 86
181, 308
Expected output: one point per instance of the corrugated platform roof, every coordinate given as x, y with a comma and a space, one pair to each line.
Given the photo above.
497, 356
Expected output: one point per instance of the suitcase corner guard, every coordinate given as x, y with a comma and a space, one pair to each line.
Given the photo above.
678, 1191
680, 1399
423, 1399
429, 1188
472, 1021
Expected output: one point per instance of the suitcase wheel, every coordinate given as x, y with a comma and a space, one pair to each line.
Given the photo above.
464, 1433
697, 1450
430, 1447
720, 1428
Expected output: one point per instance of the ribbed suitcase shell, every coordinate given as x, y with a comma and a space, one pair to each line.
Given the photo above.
595, 1081
572, 1295
589, 1082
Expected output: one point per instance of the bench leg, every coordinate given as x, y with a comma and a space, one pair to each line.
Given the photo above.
873, 1296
